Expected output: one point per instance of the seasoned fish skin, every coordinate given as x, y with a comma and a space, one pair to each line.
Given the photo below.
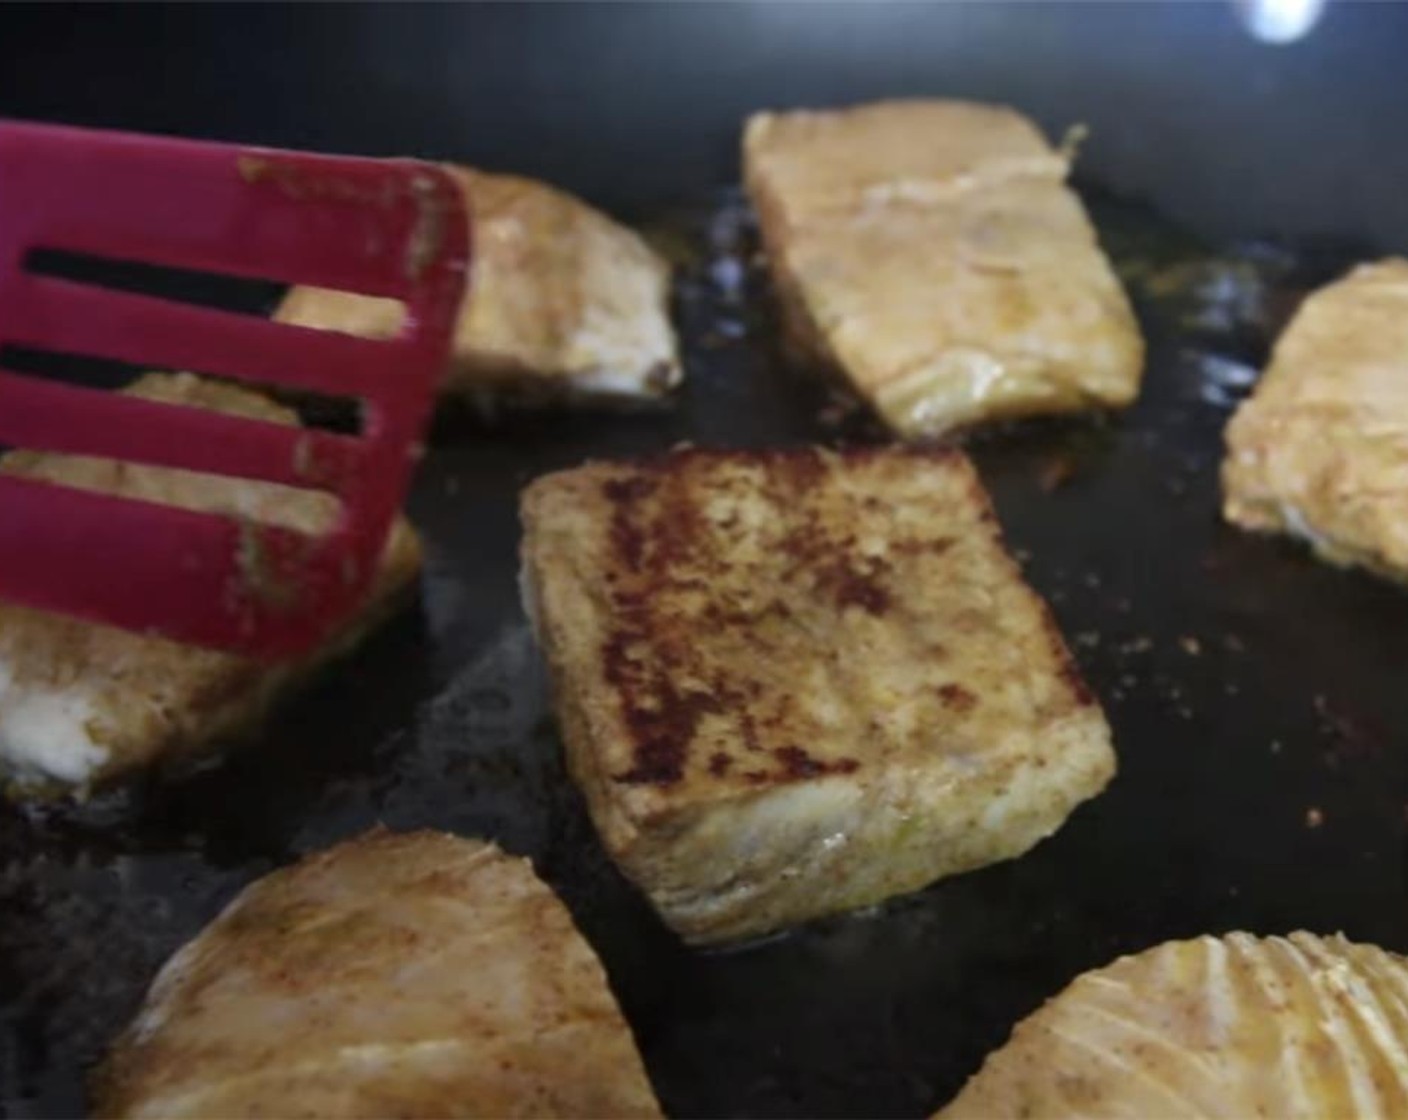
792, 683
1320, 448
1237, 1026
564, 303
931, 252
82, 705
409, 975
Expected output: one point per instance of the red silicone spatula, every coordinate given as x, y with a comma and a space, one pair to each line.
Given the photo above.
396, 229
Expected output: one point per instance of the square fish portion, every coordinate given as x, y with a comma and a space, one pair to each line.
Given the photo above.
792, 683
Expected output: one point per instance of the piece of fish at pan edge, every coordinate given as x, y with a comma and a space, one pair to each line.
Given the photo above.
1320, 448
563, 304
410, 975
792, 683
1297, 1028
931, 252
84, 705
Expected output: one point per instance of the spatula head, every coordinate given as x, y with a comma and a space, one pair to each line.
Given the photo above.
391, 228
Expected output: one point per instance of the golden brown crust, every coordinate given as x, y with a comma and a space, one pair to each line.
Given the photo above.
408, 975
81, 705
930, 251
1298, 1027
563, 302
1320, 449
756, 651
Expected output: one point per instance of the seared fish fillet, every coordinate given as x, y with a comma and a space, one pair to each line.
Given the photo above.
1320, 449
931, 252
81, 704
1237, 1026
415, 975
563, 302
795, 682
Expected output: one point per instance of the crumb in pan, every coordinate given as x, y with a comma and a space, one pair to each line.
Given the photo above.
792, 683
409, 975
82, 705
931, 252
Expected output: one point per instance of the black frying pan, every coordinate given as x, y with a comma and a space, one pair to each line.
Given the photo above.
1257, 696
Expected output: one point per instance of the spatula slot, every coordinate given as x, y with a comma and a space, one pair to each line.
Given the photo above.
49, 416
342, 415
204, 289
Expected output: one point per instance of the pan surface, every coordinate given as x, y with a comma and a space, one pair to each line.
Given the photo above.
1256, 698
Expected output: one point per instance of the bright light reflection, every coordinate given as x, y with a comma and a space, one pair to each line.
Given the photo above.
1279, 21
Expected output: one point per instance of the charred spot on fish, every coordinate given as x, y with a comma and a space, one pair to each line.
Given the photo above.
1071, 674
855, 590
629, 603
717, 614
658, 762
628, 539
850, 579
854, 581
661, 718
628, 491
719, 763
957, 698
797, 764
650, 652
801, 470
627, 535
914, 546
749, 727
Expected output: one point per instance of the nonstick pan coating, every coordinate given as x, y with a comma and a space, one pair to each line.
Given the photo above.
1255, 696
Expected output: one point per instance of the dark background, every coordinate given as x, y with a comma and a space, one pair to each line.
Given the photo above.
1256, 696
634, 105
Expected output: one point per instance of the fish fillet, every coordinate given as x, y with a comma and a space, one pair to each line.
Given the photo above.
932, 253
407, 975
1234, 1027
1320, 449
563, 302
81, 704
792, 683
